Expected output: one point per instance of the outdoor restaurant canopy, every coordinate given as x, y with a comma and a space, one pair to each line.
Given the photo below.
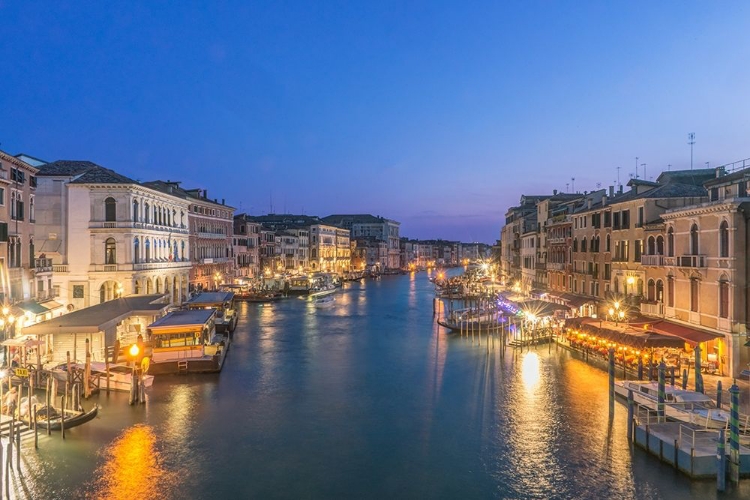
624, 334
23, 341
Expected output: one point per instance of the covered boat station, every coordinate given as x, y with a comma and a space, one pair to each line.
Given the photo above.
121, 319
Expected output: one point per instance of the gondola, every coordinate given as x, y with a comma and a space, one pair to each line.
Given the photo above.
72, 418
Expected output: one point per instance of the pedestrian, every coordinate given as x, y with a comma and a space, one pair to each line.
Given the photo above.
10, 401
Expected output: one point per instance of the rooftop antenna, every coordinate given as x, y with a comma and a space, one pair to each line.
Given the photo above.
669, 167
270, 201
567, 189
598, 185
573, 184
636, 167
618, 176
691, 141
644, 171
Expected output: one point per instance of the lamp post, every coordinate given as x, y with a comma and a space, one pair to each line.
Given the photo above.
616, 312
217, 279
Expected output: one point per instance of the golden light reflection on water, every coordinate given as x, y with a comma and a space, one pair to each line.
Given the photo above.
133, 468
530, 371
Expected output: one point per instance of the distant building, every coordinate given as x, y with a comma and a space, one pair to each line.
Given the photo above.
246, 242
370, 226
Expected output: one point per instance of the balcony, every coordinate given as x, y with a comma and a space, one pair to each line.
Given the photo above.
212, 236
59, 268
45, 295
149, 266
556, 266
652, 309
213, 260
652, 260
43, 266
694, 261
137, 225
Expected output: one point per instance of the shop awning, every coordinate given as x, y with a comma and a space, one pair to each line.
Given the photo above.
24, 341
32, 306
688, 334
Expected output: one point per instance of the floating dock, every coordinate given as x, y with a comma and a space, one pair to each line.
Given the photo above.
688, 447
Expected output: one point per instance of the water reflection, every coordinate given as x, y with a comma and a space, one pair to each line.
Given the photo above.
530, 371
133, 468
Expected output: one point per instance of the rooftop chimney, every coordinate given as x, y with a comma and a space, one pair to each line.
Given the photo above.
620, 190
554, 192
590, 203
720, 172
205, 194
222, 201
604, 200
611, 191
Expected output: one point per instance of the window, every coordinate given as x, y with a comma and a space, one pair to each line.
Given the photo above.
694, 239
616, 220
77, 291
625, 220
651, 246
2, 196
110, 254
608, 244
670, 291
110, 209
607, 219
670, 242
136, 251
723, 298
714, 194
694, 295
583, 245
659, 291
724, 239
640, 216
638, 250
135, 210
575, 244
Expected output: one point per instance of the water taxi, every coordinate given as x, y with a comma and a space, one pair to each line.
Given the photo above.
223, 303
187, 342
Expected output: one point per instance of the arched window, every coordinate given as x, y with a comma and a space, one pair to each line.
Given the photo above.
670, 241
182, 250
659, 291
651, 246
659, 245
146, 214
724, 240
694, 239
136, 251
651, 290
110, 251
608, 244
575, 244
723, 297
639, 287
110, 209
137, 287
148, 250
583, 245
135, 210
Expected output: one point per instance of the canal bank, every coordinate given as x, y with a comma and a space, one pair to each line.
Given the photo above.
366, 399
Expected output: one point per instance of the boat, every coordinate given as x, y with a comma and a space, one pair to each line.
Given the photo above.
222, 302
187, 342
120, 375
325, 302
467, 319
262, 297
51, 417
321, 290
679, 404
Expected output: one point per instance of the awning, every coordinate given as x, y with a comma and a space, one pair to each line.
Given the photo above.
23, 341
52, 305
688, 334
624, 334
540, 308
50, 246
32, 306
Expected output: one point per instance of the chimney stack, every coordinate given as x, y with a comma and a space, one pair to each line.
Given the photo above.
590, 203
554, 192
611, 191
205, 194
604, 200
620, 190
222, 201
720, 172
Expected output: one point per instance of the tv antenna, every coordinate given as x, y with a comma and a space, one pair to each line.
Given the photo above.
573, 184
618, 176
636, 167
644, 171
691, 141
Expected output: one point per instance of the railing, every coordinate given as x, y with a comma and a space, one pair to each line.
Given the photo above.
652, 260
213, 236
43, 265
691, 261
556, 266
650, 309
213, 260
45, 295
147, 266
137, 225
59, 268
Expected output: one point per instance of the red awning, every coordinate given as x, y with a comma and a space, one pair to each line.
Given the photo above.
688, 334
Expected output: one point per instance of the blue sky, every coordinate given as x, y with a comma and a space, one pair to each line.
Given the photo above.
436, 114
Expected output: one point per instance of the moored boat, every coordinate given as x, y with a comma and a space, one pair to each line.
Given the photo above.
51, 418
223, 302
187, 342
325, 302
679, 404
120, 376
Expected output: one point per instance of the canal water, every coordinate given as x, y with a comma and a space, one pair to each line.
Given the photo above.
367, 399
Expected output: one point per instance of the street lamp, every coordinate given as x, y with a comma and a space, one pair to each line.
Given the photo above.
616, 312
630, 281
217, 279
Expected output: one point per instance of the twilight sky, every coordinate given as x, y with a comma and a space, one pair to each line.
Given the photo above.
436, 114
